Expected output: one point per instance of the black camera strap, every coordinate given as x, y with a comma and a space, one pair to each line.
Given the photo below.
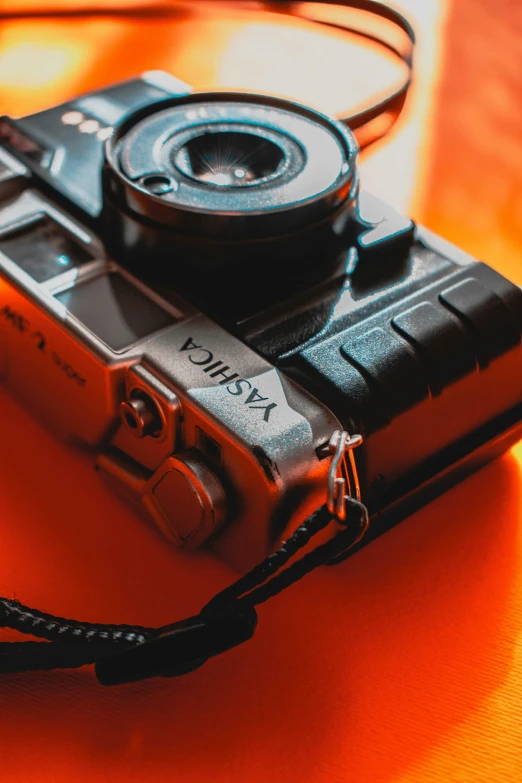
369, 19
125, 653
384, 26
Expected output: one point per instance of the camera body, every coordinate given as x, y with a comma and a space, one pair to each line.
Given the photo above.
194, 287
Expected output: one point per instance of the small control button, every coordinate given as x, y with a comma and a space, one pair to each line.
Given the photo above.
187, 500
387, 235
140, 415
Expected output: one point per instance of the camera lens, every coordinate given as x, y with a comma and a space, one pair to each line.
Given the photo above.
227, 158
218, 179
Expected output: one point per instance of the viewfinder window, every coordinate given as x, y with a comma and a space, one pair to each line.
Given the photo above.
114, 310
44, 249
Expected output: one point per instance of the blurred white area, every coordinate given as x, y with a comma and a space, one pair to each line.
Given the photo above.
337, 72
396, 172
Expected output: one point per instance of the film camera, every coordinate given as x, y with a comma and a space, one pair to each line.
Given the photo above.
193, 286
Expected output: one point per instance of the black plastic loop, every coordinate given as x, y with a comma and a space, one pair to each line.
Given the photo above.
188, 645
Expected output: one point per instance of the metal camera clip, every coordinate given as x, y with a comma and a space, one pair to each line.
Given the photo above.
343, 480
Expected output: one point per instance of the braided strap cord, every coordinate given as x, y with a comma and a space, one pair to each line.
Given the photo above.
123, 652
69, 644
335, 547
47, 626
273, 563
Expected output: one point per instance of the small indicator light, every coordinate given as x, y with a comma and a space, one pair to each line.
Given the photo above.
72, 118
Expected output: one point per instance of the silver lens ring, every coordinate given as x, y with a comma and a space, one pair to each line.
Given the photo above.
299, 166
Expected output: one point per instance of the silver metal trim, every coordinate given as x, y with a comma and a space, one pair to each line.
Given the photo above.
268, 430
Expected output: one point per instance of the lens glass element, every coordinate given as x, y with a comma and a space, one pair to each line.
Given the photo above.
229, 158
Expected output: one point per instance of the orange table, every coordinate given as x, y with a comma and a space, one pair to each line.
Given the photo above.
404, 664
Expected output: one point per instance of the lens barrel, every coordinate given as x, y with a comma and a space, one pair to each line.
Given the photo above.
215, 179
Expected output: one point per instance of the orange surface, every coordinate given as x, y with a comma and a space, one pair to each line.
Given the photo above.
402, 665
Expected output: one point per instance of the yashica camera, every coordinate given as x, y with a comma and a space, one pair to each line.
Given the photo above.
194, 287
